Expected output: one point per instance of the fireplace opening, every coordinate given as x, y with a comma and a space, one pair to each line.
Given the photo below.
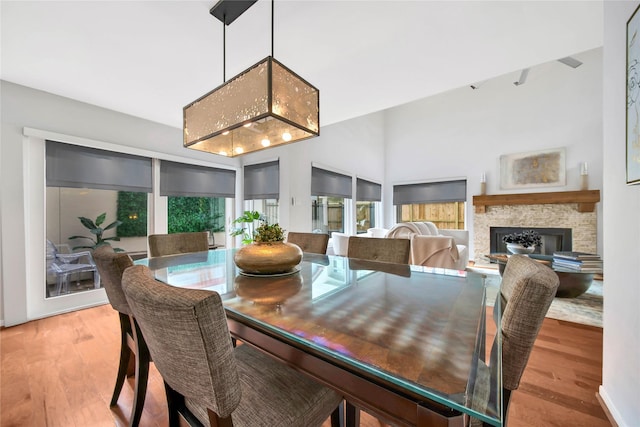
553, 239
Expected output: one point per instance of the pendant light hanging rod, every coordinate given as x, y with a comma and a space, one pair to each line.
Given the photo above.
228, 11
224, 40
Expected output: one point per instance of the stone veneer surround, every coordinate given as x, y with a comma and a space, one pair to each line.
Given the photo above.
562, 215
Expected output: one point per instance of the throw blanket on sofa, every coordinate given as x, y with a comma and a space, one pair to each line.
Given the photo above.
428, 247
434, 251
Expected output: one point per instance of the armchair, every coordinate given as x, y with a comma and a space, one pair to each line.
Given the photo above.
63, 263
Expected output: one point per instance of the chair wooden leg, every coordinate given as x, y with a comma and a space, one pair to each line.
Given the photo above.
336, 416
352, 415
174, 401
125, 356
142, 374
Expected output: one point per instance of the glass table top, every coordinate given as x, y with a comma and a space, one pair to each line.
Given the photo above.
415, 329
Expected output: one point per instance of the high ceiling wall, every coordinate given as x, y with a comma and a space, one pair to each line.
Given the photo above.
150, 58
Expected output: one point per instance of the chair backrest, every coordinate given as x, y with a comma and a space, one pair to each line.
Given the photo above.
380, 249
309, 242
187, 335
178, 243
526, 292
111, 265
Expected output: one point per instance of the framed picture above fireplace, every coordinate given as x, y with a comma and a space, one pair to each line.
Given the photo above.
633, 92
545, 168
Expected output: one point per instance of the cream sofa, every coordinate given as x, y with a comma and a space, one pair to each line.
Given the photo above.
433, 247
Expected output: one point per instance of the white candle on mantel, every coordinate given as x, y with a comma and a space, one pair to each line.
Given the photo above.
483, 184
584, 170
584, 177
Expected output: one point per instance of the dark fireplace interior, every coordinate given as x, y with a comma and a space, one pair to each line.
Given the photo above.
553, 239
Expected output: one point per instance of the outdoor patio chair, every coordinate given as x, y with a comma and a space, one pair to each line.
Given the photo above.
66, 263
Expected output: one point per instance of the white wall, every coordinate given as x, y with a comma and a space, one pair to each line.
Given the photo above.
21, 167
354, 147
463, 132
621, 360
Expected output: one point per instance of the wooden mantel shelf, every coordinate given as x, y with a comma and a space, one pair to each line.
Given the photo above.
586, 200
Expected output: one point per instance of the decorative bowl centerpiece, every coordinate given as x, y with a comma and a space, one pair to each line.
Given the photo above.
522, 243
265, 252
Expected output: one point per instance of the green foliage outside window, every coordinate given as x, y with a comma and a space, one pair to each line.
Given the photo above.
192, 214
132, 212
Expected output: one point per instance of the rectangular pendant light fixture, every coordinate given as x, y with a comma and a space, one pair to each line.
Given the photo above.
264, 106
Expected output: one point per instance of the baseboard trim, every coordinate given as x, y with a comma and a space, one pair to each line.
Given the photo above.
607, 407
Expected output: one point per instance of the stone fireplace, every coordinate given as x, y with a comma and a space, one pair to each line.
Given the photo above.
553, 239
573, 210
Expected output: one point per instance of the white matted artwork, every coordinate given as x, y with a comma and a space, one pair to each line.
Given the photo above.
545, 168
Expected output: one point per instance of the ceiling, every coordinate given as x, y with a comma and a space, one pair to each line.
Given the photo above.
150, 58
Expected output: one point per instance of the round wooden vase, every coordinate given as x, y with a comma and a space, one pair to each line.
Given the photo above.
268, 258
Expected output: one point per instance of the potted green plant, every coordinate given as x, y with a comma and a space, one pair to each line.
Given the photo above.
245, 225
96, 230
265, 251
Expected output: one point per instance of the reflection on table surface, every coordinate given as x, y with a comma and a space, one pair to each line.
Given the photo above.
412, 328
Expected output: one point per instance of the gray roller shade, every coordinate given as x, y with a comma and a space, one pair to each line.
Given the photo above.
75, 166
430, 192
367, 191
182, 179
331, 184
262, 181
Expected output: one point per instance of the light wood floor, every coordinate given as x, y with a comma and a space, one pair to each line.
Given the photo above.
60, 371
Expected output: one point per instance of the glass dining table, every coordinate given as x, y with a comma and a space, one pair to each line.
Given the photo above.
404, 343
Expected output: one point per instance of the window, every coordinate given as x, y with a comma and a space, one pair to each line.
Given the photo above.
267, 207
442, 203
194, 214
327, 214
196, 197
328, 193
262, 189
368, 198
443, 215
103, 187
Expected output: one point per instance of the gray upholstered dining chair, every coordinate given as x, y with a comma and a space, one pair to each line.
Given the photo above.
111, 265
380, 249
526, 292
178, 243
315, 243
208, 380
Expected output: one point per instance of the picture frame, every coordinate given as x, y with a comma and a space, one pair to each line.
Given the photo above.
543, 168
632, 142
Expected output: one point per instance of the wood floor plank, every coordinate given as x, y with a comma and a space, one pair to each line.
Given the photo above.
60, 371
